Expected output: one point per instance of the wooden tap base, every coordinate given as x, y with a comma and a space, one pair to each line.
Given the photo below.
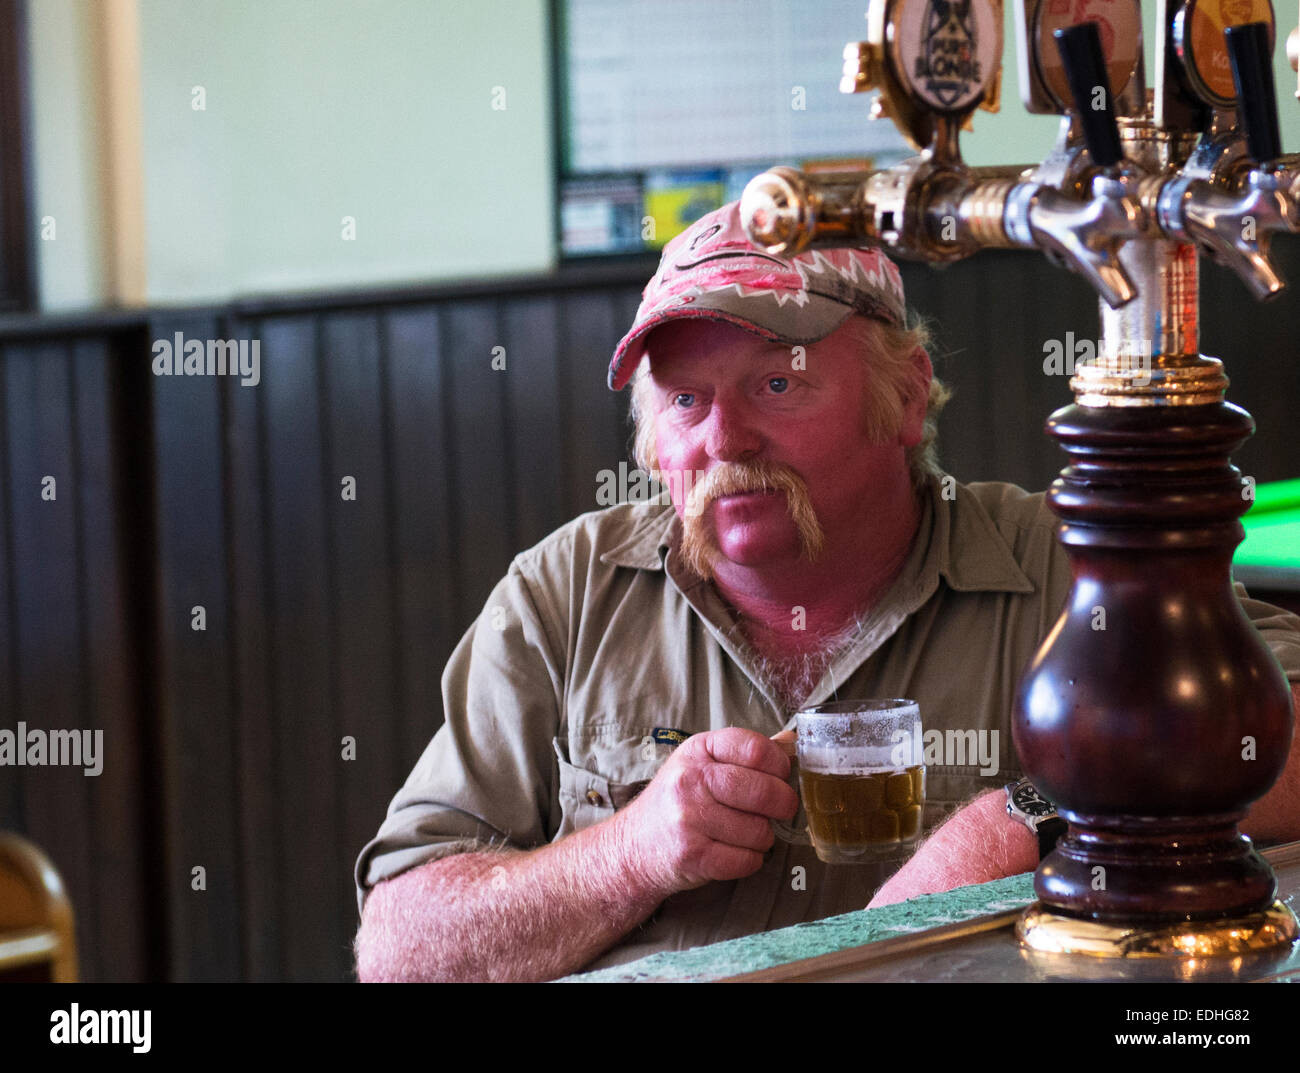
1154, 714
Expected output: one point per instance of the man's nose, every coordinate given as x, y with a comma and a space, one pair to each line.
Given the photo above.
733, 433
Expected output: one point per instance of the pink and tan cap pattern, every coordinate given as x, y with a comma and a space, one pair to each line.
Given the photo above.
714, 272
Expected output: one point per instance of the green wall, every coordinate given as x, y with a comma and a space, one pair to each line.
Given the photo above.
65, 154
379, 110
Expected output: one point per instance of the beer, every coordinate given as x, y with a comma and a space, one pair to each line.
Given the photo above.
861, 778
862, 814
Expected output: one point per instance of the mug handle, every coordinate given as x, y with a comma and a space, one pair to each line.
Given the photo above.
796, 831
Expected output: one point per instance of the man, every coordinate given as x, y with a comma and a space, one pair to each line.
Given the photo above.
605, 783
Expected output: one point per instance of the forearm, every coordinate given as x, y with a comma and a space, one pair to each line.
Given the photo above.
521, 916
981, 832
977, 844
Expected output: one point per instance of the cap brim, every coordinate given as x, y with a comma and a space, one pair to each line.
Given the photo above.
812, 322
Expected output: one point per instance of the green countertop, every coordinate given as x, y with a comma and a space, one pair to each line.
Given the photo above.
772, 948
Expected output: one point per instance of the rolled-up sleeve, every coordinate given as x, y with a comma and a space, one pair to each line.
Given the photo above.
487, 779
1279, 628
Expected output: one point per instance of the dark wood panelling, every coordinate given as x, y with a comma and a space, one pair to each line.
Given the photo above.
429, 593
302, 592
11, 798
195, 666
593, 415
365, 639
990, 318
626, 303
533, 387
116, 800
48, 588
1260, 347
254, 664
480, 447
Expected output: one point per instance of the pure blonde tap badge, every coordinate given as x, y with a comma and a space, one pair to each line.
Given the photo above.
947, 50
949, 65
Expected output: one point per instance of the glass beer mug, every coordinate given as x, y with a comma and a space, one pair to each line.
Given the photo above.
861, 780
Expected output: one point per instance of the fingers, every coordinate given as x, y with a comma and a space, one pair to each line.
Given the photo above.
747, 773
745, 748
747, 790
732, 862
707, 813
740, 829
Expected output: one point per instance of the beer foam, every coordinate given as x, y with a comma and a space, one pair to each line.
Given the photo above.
851, 759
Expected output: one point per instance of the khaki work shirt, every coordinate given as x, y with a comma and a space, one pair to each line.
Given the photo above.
563, 698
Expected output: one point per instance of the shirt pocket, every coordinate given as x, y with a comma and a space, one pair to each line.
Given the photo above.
602, 770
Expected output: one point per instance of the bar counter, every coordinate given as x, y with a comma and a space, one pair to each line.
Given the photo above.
961, 936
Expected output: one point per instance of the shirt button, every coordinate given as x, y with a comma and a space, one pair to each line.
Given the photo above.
594, 797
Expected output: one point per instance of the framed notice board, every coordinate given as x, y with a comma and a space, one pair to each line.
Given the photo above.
667, 108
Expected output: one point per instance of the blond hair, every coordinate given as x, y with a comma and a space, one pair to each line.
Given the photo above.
887, 352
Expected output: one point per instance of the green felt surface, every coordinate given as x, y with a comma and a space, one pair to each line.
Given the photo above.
1272, 527
1273, 540
769, 949
1276, 495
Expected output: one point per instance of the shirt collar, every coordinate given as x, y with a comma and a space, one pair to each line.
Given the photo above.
966, 548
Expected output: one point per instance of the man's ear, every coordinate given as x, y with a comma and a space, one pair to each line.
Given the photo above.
920, 375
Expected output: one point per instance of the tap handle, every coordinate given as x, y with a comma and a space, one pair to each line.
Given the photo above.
1252, 73
1085, 69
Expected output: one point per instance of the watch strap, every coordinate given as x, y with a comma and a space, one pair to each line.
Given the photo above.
1048, 831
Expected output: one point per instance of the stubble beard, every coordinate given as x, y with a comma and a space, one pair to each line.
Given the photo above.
700, 549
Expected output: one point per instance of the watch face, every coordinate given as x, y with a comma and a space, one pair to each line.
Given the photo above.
1031, 802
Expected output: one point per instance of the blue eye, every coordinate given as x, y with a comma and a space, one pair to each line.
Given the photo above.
682, 395
779, 384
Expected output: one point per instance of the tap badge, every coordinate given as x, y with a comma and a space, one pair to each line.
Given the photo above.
946, 51
1119, 22
949, 65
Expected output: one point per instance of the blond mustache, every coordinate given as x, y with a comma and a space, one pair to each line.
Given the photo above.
700, 548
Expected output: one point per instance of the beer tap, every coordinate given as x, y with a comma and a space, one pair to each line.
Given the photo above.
933, 65
1085, 234
934, 62
1236, 190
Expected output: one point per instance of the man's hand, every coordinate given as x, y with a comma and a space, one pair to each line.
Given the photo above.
706, 814
976, 844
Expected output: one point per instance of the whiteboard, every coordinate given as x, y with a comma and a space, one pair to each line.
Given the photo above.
680, 83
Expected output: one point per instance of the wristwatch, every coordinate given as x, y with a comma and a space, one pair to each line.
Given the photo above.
1031, 808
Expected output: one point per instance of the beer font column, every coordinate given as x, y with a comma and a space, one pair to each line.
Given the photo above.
1153, 715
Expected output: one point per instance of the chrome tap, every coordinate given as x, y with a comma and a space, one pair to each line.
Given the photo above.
1235, 190
1084, 234
1127, 167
